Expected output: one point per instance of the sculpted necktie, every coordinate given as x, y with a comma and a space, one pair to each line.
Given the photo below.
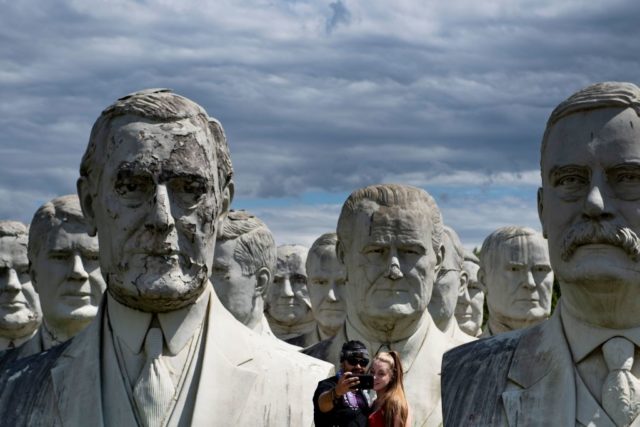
154, 389
621, 389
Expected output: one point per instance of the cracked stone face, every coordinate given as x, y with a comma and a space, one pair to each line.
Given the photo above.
67, 276
288, 296
19, 305
327, 278
470, 303
155, 212
447, 287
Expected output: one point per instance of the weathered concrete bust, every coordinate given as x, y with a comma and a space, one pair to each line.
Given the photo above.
243, 268
390, 241
451, 282
64, 269
516, 273
155, 186
288, 304
577, 368
469, 309
19, 305
327, 278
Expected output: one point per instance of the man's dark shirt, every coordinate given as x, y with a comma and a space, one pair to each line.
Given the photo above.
343, 413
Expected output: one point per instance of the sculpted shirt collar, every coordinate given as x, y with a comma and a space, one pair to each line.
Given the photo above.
177, 326
584, 338
408, 348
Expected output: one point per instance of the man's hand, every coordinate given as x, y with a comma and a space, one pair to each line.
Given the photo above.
347, 382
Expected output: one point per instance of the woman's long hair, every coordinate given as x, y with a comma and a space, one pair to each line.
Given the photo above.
395, 404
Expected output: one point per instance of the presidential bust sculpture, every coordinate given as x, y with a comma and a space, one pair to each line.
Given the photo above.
516, 273
155, 182
19, 305
288, 305
327, 278
452, 280
64, 270
580, 366
390, 242
470, 305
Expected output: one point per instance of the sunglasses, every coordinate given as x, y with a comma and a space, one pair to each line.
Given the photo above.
355, 361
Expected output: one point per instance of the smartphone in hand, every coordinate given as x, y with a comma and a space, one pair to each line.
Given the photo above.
366, 382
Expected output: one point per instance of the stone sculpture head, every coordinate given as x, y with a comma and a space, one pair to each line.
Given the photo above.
154, 182
64, 267
588, 203
243, 266
517, 276
19, 305
327, 279
451, 281
390, 241
469, 309
288, 303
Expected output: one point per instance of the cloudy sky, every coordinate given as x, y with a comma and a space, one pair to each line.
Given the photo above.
318, 97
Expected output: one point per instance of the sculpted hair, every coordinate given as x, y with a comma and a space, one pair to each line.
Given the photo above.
51, 215
255, 247
395, 406
495, 241
369, 199
325, 243
161, 106
458, 250
13, 229
593, 97
471, 257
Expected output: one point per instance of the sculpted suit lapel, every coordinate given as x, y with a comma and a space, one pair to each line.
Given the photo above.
76, 376
228, 374
542, 388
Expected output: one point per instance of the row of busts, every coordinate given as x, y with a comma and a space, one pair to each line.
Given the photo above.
301, 291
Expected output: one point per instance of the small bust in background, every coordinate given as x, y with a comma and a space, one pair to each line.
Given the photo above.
288, 305
516, 272
327, 277
65, 271
452, 281
469, 309
243, 266
19, 305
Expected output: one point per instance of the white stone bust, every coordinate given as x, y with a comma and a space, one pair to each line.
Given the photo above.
452, 281
64, 269
327, 278
470, 305
288, 305
19, 305
516, 272
390, 241
243, 266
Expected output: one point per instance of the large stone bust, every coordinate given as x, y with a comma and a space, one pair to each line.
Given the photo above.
327, 278
288, 305
452, 280
516, 273
64, 270
580, 366
155, 184
19, 305
470, 305
243, 267
390, 242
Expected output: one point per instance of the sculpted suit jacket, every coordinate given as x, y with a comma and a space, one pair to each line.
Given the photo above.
421, 379
245, 380
520, 378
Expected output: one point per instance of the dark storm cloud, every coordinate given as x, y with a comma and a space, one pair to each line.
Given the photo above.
451, 94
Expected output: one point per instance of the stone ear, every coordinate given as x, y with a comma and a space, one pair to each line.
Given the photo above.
540, 209
263, 278
87, 204
481, 277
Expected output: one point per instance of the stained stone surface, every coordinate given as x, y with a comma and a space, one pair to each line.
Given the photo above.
469, 308
555, 372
